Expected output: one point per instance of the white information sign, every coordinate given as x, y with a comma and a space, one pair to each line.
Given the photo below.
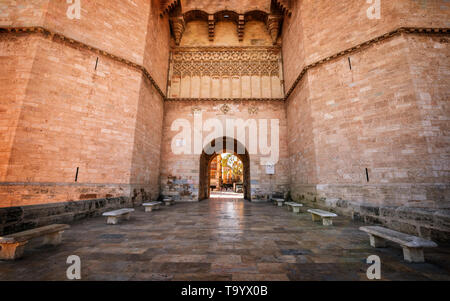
270, 169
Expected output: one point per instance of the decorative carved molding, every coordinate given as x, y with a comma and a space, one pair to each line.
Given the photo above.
224, 48
228, 100
241, 27
273, 25
211, 27
168, 5
196, 110
285, 6
226, 62
253, 110
178, 25
225, 109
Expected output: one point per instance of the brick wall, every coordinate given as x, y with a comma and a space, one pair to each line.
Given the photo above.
180, 173
16, 61
387, 113
157, 44
321, 28
74, 116
145, 163
70, 106
66, 105
23, 13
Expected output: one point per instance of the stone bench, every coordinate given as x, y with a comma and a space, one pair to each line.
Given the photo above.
412, 245
295, 207
113, 217
325, 216
278, 201
168, 201
151, 206
12, 246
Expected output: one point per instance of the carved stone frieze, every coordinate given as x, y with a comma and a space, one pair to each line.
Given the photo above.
227, 62
253, 110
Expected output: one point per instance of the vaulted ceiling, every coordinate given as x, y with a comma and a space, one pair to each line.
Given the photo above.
282, 6
270, 12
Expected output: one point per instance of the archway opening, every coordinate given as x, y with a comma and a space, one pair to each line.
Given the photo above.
226, 177
225, 169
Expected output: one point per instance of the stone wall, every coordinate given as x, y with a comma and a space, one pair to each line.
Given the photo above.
386, 131
16, 61
64, 125
364, 129
157, 46
21, 218
381, 107
84, 111
145, 164
180, 173
319, 28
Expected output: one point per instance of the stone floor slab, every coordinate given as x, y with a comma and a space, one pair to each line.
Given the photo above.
221, 239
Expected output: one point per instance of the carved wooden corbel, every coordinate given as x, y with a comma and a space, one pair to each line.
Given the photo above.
241, 27
273, 25
211, 27
178, 26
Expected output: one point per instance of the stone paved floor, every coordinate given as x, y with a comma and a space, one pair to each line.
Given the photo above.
220, 239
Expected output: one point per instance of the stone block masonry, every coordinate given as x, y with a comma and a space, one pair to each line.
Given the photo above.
76, 130
180, 173
19, 218
364, 126
362, 104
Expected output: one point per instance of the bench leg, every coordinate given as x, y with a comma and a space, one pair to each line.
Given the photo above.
377, 242
315, 218
12, 251
53, 238
148, 209
127, 216
280, 204
326, 221
413, 254
296, 209
112, 220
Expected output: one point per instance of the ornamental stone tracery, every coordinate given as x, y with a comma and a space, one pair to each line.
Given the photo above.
245, 71
256, 70
227, 62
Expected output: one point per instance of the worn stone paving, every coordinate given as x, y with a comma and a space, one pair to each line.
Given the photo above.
220, 239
